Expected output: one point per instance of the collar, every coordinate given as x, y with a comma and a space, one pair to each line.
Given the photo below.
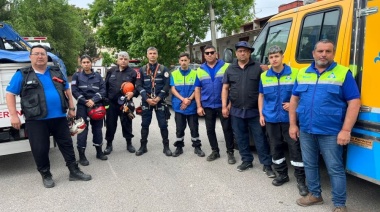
285, 71
313, 69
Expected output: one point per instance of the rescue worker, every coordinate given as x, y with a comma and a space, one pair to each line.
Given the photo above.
209, 103
115, 77
274, 95
326, 101
153, 86
89, 90
45, 98
241, 86
183, 82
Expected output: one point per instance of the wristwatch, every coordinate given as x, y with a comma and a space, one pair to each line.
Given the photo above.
72, 108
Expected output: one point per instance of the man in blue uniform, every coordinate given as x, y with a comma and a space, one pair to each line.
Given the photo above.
153, 86
209, 102
241, 87
275, 90
183, 82
115, 77
326, 100
45, 97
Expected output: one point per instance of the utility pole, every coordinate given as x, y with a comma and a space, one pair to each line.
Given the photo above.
212, 27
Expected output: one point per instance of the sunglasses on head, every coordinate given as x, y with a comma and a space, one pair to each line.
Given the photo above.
207, 53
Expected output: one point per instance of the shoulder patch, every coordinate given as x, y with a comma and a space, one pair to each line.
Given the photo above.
73, 82
166, 74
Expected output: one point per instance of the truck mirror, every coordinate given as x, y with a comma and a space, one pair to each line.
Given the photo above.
227, 55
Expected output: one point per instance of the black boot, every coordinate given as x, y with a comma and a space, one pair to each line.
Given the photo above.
231, 157
99, 153
142, 149
109, 148
47, 179
166, 150
177, 151
77, 174
280, 179
302, 188
130, 147
82, 157
198, 151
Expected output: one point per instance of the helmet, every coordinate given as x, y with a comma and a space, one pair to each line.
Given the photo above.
76, 126
97, 112
127, 87
139, 110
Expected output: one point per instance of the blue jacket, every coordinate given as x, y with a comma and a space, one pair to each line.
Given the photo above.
88, 86
211, 86
276, 92
184, 83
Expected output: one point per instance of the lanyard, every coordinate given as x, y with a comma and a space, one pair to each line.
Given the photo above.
152, 79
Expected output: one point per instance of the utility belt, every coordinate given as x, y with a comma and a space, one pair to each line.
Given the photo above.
163, 107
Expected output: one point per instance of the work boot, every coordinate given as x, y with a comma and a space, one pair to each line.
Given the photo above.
109, 148
269, 171
302, 188
77, 174
130, 147
198, 151
213, 156
99, 153
82, 157
177, 151
340, 209
231, 157
280, 179
167, 150
309, 200
47, 179
244, 166
142, 149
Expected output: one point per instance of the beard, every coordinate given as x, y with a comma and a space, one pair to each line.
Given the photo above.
323, 64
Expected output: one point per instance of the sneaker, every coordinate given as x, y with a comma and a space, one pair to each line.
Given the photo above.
244, 166
309, 200
231, 158
280, 180
340, 209
213, 156
268, 170
198, 151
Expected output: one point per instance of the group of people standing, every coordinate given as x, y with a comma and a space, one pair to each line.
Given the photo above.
268, 105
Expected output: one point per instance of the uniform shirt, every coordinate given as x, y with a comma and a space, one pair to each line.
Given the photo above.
53, 101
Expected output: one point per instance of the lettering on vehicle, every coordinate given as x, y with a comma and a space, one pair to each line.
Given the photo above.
362, 142
377, 58
5, 114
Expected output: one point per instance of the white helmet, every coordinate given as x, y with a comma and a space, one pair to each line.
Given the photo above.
76, 126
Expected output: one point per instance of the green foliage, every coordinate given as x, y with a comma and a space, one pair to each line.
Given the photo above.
107, 59
65, 26
135, 25
5, 13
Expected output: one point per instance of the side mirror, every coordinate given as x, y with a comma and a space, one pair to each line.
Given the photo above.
228, 55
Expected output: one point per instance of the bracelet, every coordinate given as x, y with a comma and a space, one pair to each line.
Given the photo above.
72, 108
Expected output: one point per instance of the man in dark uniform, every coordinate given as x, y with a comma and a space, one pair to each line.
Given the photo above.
153, 86
45, 98
116, 76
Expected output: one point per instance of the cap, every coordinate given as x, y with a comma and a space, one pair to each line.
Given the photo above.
244, 44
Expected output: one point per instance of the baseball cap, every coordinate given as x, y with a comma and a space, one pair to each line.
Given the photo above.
244, 44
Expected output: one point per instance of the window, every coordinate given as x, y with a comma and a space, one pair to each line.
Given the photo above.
273, 35
317, 27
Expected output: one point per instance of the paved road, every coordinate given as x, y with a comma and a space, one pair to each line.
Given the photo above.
154, 182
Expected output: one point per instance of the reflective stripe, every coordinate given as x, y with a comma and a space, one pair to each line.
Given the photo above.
162, 91
180, 139
146, 80
98, 94
95, 87
279, 161
80, 96
298, 164
143, 90
82, 86
195, 139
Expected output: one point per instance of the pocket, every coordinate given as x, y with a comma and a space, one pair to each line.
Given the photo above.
333, 89
30, 105
302, 88
268, 90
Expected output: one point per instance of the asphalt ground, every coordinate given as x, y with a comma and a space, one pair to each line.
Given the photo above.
155, 182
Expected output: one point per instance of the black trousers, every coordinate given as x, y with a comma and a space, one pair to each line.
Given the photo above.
278, 134
181, 121
96, 128
146, 116
39, 138
113, 113
211, 115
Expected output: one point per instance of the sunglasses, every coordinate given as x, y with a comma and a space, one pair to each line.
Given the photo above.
207, 53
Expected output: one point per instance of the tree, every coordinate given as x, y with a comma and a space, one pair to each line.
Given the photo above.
5, 13
168, 25
107, 59
61, 23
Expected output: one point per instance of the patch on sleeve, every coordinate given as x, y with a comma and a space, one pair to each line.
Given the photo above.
73, 82
166, 74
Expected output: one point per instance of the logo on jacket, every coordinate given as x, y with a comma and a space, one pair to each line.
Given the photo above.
288, 78
332, 76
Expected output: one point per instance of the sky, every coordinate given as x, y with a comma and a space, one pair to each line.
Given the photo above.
263, 7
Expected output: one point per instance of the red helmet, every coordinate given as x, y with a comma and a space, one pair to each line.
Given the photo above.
127, 87
139, 110
97, 113
76, 126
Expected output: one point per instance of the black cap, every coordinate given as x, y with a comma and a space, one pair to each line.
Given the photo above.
244, 44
